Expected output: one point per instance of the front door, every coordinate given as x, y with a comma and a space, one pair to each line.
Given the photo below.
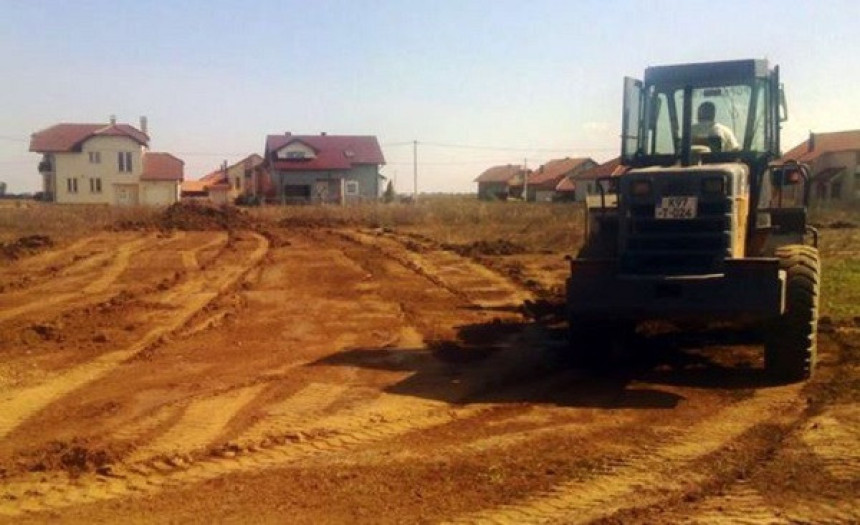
125, 195
321, 191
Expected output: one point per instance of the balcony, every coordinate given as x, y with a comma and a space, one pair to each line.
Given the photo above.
46, 166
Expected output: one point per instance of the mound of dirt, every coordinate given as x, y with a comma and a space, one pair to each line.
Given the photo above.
193, 216
496, 247
25, 246
75, 457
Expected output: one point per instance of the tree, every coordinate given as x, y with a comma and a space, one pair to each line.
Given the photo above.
388, 195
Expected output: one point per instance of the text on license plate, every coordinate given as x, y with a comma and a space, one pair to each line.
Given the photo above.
676, 208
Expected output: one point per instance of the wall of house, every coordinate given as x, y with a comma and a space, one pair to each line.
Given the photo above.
219, 196
236, 179
492, 190
848, 185
330, 186
78, 166
159, 193
367, 177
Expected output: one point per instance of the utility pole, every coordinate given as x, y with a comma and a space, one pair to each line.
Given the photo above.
525, 180
415, 170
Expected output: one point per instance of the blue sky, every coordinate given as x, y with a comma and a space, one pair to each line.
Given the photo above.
523, 80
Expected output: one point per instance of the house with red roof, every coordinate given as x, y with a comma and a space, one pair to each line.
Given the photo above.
105, 164
501, 182
542, 182
323, 168
579, 186
245, 180
834, 160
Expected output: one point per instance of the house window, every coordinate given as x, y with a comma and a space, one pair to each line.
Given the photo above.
95, 157
836, 190
95, 185
124, 161
237, 184
72, 185
352, 187
295, 154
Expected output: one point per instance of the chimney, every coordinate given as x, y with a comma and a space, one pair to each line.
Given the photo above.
323, 134
810, 144
287, 133
143, 125
113, 120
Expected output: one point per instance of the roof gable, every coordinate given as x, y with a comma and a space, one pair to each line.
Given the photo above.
509, 173
820, 143
162, 166
333, 152
68, 137
551, 173
607, 169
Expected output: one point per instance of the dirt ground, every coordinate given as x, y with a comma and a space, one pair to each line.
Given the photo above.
309, 374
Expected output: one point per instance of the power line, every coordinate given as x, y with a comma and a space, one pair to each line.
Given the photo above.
13, 139
207, 154
509, 148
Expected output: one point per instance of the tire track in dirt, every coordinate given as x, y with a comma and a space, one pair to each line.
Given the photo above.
181, 304
191, 258
147, 424
465, 278
834, 437
385, 418
741, 504
32, 271
362, 422
294, 412
86, 293
651, 474
120, 262
202, 421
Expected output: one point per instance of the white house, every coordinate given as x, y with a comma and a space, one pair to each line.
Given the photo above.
105, 164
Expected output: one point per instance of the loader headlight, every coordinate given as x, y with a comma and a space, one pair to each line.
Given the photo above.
641, 188
714, 186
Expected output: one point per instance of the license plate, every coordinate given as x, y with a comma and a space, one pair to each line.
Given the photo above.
676, 208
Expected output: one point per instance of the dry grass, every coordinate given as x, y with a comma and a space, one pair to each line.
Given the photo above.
61, 222
454, 220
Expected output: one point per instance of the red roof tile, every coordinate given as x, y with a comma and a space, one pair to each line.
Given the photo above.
550, 174
566, 185
824, 143
162, 166
509, 173
68, 137
607, 169
333, 152
215, 177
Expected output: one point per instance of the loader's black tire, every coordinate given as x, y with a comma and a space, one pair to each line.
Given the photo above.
791, 341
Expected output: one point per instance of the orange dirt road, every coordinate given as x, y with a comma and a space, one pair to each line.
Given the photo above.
345, 375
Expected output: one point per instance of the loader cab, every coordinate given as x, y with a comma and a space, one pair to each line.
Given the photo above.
678, 118
661, 114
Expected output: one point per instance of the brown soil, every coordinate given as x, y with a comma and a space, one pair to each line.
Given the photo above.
196, 370
24, 246
496, 247
193, 216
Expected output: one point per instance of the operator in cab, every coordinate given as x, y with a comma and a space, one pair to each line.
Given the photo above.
708, 132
